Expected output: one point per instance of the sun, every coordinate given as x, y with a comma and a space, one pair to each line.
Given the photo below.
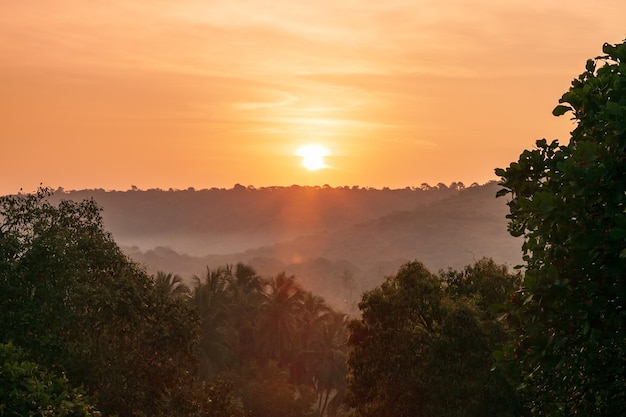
313, 156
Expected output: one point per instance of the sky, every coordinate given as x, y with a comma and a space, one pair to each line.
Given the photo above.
189, 93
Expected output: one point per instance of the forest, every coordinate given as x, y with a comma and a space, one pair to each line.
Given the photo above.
152, 345
339, 242
87, 331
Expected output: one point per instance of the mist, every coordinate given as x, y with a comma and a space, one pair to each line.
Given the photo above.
318, 234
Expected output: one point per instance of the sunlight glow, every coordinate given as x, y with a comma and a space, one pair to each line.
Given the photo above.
313, 156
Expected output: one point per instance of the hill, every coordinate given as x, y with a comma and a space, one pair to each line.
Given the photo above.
339, 242
448, 232
222, 221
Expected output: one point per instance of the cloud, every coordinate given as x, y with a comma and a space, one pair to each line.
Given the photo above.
386, 77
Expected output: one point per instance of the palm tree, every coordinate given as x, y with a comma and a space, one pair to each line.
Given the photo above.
313, 312
347, 279
246, 279
278, 319
170, 284
329, 361
246, 295
211, 299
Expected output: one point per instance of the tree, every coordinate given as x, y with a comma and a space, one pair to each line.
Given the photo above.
26, 389
266, 392
486, 282
389, 344
245, 279
347, 281
74, 302
312, 314
246, 296
278, 319
329, 361
569, 202
171, 284
421, 349
217, 338
217, 399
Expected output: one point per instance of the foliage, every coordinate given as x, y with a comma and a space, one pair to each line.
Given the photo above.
371, 233
279, 319
267, 392
76, 304
170, 284
270, 331
26, 389
485, 282
422, 349
569, 202
217, 399
211, 299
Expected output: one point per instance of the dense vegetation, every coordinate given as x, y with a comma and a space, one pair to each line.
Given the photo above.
28, 390
86, 332
440, 227
234, 343
73, 306
423, 346
78, 307
222, 221
569, 203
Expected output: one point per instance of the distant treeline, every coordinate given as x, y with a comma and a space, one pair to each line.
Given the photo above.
239, 187
283, 212
318, 233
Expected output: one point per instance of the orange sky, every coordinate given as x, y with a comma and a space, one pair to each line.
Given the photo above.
179, 93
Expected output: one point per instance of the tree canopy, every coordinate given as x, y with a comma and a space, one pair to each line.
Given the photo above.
26, 389
423, 345
76, 305
569, 202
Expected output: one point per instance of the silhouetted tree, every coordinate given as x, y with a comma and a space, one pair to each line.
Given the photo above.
279, 319
217, 338
72, 300
419, 350
171, 284
569, 202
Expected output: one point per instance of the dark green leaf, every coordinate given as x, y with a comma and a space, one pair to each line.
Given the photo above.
561, 110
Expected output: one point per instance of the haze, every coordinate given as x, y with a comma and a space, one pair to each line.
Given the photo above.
207, 94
